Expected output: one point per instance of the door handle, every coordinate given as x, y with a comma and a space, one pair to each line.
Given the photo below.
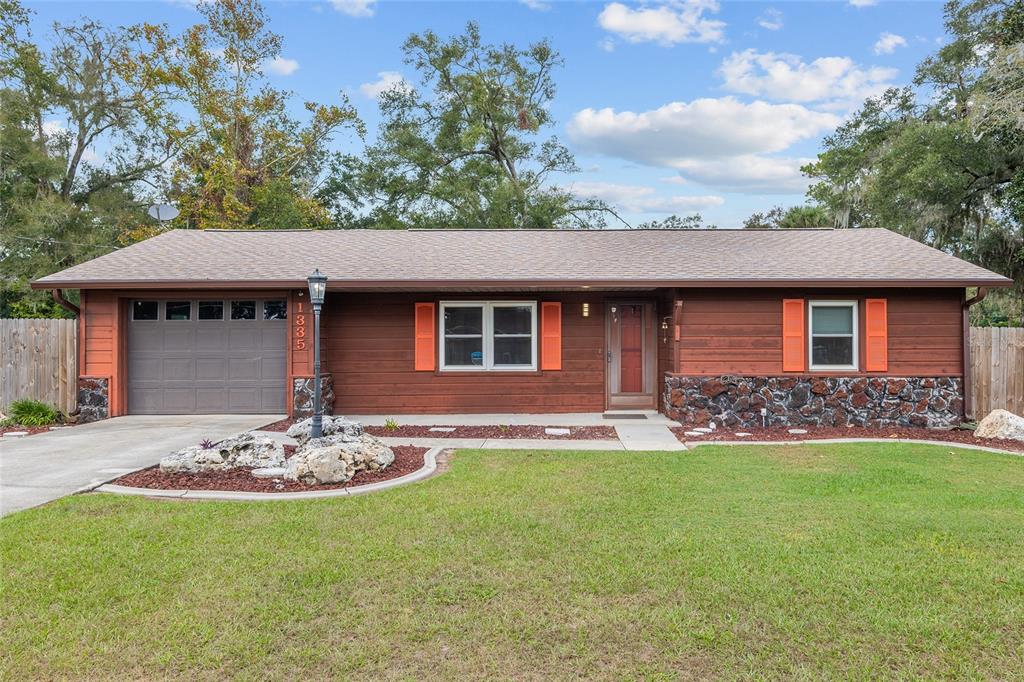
609, 356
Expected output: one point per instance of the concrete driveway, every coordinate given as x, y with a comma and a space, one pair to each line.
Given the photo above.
37, 469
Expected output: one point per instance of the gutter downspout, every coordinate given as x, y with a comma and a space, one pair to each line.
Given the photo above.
58, 296
968, 379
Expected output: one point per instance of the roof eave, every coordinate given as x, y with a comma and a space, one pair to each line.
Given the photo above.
359, 285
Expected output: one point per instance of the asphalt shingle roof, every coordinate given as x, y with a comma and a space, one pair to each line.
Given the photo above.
425, 258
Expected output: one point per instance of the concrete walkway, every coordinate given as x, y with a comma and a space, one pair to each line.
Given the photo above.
37, 469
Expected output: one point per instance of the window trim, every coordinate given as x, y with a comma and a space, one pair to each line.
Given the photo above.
487, 334
855, 334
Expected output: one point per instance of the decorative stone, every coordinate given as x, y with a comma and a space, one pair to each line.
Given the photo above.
736, 402
703, 429
695, 433
1000, 424
331, 426
270, 472
556, 431
15, 434
245, 450
93, 399
302, 395
325, 461
442, 429
742, 434
797, 431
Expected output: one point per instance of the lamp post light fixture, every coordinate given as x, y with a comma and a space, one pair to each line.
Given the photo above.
317, 288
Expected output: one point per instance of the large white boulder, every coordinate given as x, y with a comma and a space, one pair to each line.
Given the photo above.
345, 429
245, 450
333, 460
1001, 424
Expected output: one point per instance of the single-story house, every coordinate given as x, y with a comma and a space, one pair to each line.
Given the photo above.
742, 327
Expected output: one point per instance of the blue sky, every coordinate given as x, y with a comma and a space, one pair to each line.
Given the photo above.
670, 107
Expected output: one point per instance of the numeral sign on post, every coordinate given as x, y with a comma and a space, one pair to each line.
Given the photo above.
299, 330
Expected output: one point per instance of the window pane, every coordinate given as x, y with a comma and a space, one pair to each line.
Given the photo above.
144, 310
211, 310
243, 310
517, 320
830, 320
513, 351
275, 310
178, 310
464, 352
832, 350
463, 320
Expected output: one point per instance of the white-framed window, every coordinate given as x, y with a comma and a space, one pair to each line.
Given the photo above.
488, 335
832, 337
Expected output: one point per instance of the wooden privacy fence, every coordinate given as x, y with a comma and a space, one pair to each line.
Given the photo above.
997, 369
37, 360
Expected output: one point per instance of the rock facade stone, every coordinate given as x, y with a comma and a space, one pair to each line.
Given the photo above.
302, 395
1001, 424
245, 450
737, 401
93, 399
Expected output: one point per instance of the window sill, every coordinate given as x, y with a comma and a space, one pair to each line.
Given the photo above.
487, 372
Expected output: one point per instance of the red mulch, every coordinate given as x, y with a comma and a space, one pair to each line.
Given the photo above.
407, 460
818, 432
32, 430
496, 431
514, 431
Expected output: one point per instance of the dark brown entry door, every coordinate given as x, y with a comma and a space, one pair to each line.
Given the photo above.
630, 344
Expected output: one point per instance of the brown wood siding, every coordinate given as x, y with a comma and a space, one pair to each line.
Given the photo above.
727, 331
370, 343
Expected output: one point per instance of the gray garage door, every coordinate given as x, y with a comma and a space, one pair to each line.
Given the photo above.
207, 356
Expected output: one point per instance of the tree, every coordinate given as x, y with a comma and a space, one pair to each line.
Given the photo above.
60, 203
466, 151
764, 220
242, 160
804, 217
674, 222
942, 161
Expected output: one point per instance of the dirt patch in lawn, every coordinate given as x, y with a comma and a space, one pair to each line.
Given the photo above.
824, 432
407, 460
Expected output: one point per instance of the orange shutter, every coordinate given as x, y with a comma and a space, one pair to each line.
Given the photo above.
551, 336
793, 335
876, 335
425, 346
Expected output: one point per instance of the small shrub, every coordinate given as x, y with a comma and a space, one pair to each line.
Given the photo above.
6, 422
390, 424
206, 444
504, 428
28, 412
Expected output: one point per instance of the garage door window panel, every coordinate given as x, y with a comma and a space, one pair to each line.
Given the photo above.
243, 310
211, 310
145, 311
178, 311
275, 310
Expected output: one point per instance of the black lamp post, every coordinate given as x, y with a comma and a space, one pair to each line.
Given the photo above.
317, 288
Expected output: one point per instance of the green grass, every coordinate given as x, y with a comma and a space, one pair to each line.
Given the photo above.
805, 561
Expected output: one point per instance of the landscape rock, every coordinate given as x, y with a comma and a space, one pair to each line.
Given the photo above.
245, 450
345, 429
333, 460
1001, 424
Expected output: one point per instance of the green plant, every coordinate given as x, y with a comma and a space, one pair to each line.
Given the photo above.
390, 424
29, 412
504, 428
7, 421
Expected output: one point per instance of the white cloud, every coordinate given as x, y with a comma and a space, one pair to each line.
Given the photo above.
282, 66
538, 5
387, 80
673, 180
863, 3
888, 42
607, 44
676, 21
787, 77
721, 143
641, 199
770, 19
355, 8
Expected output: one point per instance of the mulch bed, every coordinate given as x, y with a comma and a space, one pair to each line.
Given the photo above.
820, 432
32, 430
407, 460
495, 431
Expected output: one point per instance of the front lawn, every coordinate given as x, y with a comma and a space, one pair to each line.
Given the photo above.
857, 560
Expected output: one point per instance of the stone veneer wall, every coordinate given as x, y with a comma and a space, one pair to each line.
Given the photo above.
302, 396
93, 399
736, 401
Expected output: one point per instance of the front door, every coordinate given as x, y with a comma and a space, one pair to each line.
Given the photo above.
630, 339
